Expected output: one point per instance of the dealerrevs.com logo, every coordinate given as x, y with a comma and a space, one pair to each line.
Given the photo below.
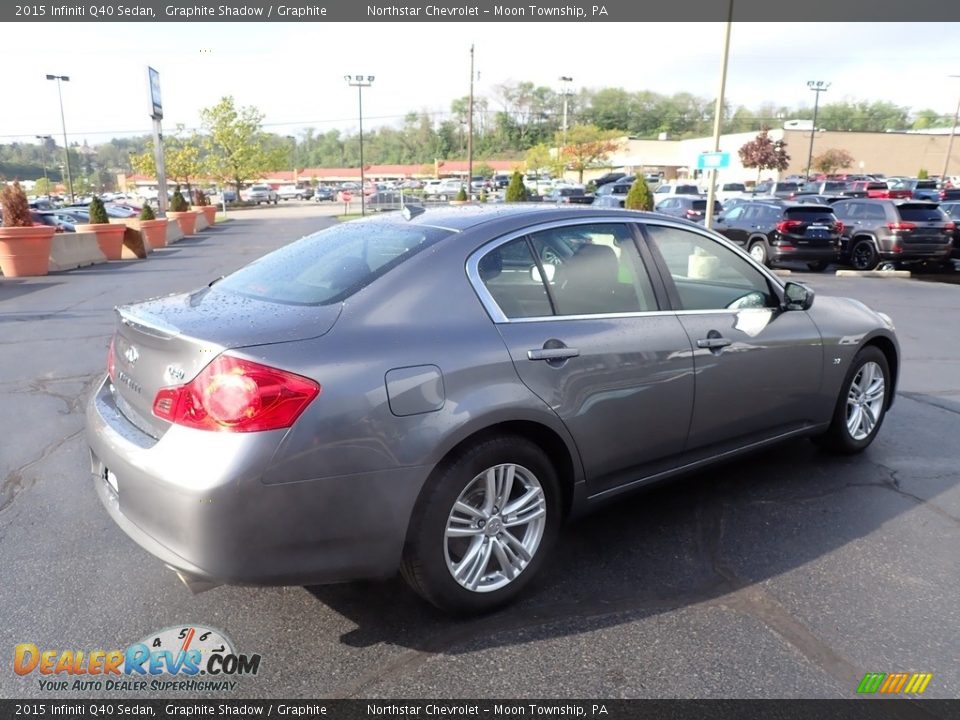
188, 657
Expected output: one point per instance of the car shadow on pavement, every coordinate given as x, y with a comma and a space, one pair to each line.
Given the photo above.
689, 541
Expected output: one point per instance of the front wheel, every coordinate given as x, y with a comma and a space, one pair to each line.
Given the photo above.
862, 404
483, 527
758, 251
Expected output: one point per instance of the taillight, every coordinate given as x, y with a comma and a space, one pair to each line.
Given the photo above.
901, 226
111, 364
788, 226
943, 194
838, 227
950, 227
235, 395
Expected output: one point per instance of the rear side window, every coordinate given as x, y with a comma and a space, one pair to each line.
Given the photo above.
921, 213
330, 265
787, 186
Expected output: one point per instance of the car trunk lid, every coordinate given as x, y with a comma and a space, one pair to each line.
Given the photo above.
168, 341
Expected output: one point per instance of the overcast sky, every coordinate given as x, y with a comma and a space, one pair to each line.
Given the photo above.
294, 71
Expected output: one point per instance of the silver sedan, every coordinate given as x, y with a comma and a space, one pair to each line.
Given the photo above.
438, 391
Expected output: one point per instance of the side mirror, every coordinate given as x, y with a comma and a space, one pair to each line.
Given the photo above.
797, 296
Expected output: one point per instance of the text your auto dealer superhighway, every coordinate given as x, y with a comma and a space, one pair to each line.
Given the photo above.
203, 11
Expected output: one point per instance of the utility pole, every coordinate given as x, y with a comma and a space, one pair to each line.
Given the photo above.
717, 119
43, 155
360, 82
566, 94
818, 86
953, 132
470, 131
66, 149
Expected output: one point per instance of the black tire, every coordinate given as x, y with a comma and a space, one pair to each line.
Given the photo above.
758, 247
818, 266
838, 437
424, 564
863, 255
299, 197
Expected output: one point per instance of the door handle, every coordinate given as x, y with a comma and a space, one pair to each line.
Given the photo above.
560, 353
713, 343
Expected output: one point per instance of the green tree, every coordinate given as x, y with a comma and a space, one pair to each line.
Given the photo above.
516, 192
42, 187
98, 213
639, 197
588, 145
236, 145
922, 174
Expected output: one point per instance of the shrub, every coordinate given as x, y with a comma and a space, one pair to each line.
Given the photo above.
462, 195
483, 196
516, 192
147, 213
923, 174
14, 206
178, 204
591, 187
639, 196
200, 198
98, 213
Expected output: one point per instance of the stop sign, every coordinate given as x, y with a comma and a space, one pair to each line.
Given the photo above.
346, 195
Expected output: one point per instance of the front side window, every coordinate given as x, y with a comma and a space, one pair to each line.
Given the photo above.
709, 275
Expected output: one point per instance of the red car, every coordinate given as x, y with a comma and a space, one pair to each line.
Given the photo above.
878, 189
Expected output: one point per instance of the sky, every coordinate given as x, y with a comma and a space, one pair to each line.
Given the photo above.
294, 72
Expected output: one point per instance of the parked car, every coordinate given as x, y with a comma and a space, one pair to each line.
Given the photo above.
786, 190
876, 189
445, 189
688, 207
569, 196
820, 199
294, 192
775, 230
295, 424
952, 211
889, 233
260, 194
607, 178
46, 217
500, 181
668, 189
613, 194
927, 190
725, 191
324, 194
822, 187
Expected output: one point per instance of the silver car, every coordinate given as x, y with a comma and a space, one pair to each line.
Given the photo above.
437, 392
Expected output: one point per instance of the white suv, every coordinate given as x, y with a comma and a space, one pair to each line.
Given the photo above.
260, 193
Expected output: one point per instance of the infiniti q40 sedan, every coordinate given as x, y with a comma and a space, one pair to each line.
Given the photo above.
437, 391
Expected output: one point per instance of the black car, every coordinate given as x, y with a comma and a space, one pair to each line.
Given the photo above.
929, 190
952, 210
324, 193
609, 178
500, 181
887, 233
689, 207
821, 199
775, 230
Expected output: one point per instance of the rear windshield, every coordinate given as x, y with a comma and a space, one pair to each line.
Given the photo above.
687, 190
812, 214
926, 185
921, 213
701, 205
732, 187
330, 265
784, 186
831, 186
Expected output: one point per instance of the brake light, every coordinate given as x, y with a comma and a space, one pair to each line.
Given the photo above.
950, 227
943, 194
838, 227
235, 395
901, 226
788, 226
111, 364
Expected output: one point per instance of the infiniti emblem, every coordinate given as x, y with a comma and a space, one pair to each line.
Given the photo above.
131, 354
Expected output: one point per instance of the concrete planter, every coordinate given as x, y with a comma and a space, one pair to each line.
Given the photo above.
109, 237
69, 251
186, 220
25, 251
209, 212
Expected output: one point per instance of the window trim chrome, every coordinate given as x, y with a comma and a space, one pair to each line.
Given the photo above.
498, 316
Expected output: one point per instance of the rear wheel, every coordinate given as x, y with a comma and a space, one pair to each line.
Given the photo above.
483, 527
864, 256
758, 251
862, 404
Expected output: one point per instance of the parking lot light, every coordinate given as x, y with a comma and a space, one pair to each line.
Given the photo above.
43, 156
360, 82
953, 133
818, 86
66, 149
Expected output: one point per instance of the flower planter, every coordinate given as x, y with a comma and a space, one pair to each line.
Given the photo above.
186, 220
25, 250
155, 232
210, 211
109, 238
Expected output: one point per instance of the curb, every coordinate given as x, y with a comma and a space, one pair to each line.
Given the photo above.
783, 273
874, 273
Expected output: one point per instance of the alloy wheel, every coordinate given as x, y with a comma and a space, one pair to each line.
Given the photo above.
865, 400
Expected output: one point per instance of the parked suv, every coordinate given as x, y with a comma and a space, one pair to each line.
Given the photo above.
928, 190
291, 192
877, 189
260, 193
886, 233
689, 207
787, 190
776, 230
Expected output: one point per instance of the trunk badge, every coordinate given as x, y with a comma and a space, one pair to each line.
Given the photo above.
131, 354
174, 373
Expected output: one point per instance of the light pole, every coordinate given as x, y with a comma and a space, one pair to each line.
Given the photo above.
360, 82
293, 156
66, 149
953, 132
566, 94
818, 86
43, 157
718, 116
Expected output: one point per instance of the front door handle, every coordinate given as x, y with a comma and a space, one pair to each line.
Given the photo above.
713, 343
560, 353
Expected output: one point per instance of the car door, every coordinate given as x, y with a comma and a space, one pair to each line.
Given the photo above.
594, 345
758, 368
731, 226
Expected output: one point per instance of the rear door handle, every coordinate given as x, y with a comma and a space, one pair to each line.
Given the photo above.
713, 343
561, 353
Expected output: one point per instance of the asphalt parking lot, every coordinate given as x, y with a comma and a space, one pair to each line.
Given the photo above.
788, 574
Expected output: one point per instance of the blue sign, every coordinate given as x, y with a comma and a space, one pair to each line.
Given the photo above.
713, 161
156, 105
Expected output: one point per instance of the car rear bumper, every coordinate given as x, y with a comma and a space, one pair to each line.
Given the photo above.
805, 253
198, 504
908, 253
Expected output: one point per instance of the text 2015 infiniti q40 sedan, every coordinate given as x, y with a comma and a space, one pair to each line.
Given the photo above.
436, 391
